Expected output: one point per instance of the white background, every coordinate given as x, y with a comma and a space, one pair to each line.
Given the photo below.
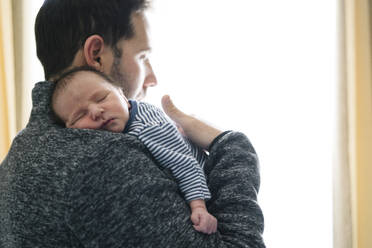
266, 68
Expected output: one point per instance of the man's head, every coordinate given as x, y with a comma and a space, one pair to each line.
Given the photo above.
86, 98
110, 36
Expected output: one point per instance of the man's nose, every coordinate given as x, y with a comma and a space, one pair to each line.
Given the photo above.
150, 80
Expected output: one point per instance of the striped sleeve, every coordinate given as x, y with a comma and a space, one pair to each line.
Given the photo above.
169, 148
199, 154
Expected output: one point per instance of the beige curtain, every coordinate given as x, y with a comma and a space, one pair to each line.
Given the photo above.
26, 62
19, 67
7, 89
353, 167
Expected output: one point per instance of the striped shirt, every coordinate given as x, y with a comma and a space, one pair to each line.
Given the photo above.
169, 148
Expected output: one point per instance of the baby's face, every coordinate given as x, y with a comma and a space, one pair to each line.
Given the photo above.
90, 102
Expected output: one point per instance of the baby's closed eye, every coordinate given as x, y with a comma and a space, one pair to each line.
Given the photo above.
101, 98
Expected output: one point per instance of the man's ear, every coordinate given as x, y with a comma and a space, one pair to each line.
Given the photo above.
93, 50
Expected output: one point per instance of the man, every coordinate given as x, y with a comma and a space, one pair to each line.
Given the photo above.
85, 188
117, 44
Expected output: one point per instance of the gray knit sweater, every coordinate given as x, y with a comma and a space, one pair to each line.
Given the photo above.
64, 187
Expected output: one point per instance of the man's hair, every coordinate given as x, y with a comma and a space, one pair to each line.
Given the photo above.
63, 80
62, 26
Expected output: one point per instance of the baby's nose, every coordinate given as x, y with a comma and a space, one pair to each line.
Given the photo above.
96, 113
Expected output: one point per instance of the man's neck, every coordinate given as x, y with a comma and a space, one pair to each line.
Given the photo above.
78, 61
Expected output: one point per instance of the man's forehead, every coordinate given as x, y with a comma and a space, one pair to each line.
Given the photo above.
141, 29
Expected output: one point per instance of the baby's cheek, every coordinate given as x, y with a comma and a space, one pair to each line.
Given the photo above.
86, 123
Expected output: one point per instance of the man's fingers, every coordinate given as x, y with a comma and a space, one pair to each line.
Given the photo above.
168, 105
170, 109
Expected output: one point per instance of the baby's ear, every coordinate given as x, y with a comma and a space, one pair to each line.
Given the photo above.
93, 49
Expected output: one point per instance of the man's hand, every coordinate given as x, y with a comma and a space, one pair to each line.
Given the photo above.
203, 221
197, 131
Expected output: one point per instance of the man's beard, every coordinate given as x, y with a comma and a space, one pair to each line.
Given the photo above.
122, 81
117, 76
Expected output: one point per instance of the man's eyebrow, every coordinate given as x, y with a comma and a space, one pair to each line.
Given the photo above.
146, 49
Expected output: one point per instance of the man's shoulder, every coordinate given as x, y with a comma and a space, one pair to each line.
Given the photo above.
59, 156
58, 135
63, 145
49, 171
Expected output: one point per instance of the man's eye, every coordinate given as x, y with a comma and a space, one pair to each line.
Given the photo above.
144, 57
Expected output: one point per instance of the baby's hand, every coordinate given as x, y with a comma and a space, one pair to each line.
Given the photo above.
203, 221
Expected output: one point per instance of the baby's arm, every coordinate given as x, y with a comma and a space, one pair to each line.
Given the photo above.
199, 132
202, 135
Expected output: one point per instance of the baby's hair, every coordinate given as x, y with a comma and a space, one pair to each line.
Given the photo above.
62, 81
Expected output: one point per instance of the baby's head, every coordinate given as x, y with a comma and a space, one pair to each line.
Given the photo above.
86, 98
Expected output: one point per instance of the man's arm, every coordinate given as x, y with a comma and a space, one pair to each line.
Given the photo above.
125, 200
197, 131
233, 178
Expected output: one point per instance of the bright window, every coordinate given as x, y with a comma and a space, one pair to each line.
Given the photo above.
266, 68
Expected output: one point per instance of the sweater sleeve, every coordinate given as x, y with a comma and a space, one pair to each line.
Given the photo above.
127, 201
233, 177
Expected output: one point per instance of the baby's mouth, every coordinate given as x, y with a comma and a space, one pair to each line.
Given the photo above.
104, 124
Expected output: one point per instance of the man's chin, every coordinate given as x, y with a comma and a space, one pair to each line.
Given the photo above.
140, 96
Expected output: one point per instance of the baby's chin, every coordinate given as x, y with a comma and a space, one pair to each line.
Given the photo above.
116, 130
115, 127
